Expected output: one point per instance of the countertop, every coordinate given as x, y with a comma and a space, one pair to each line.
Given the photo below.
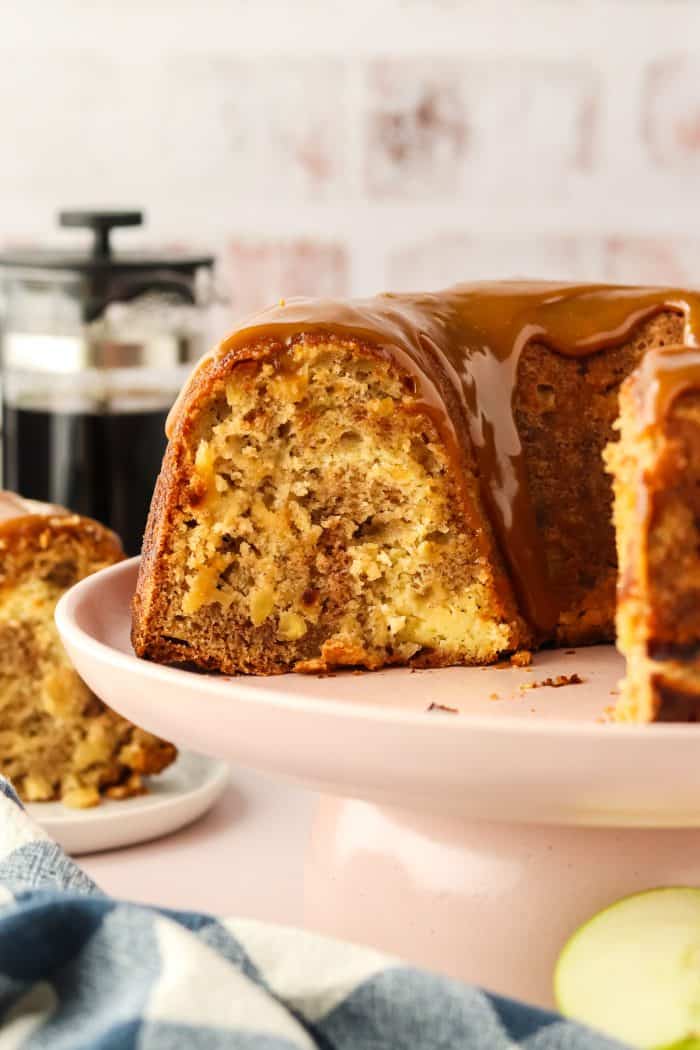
245, 857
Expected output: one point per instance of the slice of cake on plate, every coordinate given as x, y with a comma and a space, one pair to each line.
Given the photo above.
410, 479
57, 739
656, 469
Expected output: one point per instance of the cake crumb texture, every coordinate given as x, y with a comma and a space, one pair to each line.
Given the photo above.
307, 517
57, 739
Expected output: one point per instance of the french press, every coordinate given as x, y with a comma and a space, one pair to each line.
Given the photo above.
95, 347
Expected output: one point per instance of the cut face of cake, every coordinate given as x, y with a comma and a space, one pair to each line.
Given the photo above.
402, 480
321, 524
656, 469
57, 739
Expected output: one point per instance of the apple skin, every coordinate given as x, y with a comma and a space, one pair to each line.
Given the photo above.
633, 970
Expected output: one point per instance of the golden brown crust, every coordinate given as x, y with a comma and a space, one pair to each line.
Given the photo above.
26, 538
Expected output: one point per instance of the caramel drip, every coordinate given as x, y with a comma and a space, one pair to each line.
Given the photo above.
661, 378
463, 346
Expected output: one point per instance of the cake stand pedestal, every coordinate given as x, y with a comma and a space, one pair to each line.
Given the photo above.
470, 818
489, 903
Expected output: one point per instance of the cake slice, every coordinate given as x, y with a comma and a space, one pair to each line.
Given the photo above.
57, 739
409, 479
307, 516
656, 470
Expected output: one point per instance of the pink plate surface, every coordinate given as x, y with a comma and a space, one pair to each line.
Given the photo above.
505, 753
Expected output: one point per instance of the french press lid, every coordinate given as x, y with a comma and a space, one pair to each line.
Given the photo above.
109, 276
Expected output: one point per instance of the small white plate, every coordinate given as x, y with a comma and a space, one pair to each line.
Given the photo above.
175, 798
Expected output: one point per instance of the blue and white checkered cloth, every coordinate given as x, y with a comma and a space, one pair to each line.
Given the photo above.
79, 970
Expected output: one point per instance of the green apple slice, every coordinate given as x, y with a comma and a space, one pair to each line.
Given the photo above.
633, 970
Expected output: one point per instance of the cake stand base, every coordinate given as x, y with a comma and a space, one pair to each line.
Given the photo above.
489, 903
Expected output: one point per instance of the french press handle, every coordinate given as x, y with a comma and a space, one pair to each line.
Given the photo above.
101, 223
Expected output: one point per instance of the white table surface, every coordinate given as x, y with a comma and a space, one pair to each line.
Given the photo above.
245, 857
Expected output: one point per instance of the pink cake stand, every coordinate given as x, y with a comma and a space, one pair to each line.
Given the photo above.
465, 823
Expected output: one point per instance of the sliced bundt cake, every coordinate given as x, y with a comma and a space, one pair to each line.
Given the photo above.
406, 479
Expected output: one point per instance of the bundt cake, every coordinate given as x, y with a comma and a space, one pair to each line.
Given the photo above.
656, 471
57, 740
410, 479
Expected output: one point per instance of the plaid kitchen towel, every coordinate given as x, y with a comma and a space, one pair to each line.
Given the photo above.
79, 970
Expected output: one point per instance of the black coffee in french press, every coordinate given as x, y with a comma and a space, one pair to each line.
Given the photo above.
94, 350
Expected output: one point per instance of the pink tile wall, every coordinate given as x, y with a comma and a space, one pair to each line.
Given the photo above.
672, 260
440, 128
671, 112
416, 135
447, 141
436, 260
617, 258
257, 272
255, 129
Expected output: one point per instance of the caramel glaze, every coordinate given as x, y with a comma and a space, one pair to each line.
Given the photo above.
661, 378
462, 347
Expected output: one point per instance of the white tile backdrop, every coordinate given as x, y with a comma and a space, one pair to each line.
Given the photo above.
327, 147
